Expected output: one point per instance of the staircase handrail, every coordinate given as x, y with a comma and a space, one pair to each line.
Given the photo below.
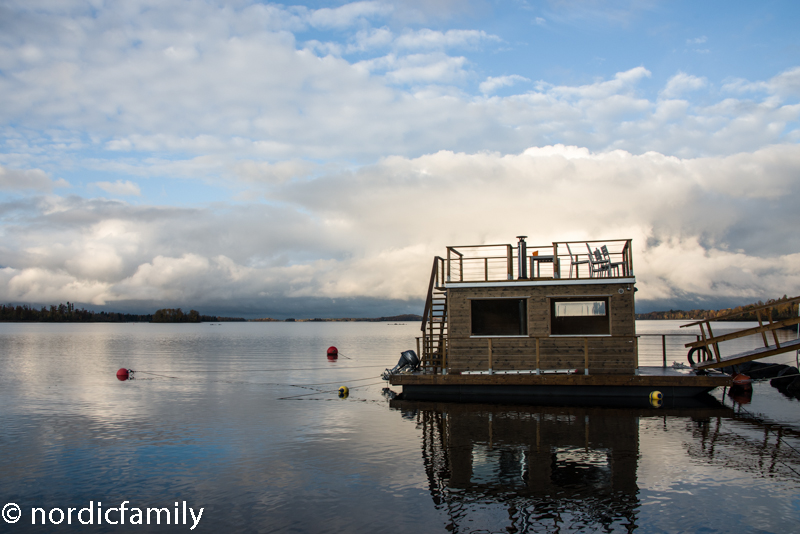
431, 285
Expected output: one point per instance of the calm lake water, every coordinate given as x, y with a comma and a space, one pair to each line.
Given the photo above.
243, 421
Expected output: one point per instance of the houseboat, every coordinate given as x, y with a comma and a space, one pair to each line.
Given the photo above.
520, 323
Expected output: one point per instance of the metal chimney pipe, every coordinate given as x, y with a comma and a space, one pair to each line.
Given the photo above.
522, 259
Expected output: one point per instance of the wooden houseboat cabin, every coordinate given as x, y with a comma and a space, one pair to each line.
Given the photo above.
518, 322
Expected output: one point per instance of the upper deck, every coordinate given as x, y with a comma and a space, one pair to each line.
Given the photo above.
560, 261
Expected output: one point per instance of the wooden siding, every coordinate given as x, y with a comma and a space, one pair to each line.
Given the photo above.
614, 354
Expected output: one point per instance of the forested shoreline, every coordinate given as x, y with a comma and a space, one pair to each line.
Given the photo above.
67, 313
779, 312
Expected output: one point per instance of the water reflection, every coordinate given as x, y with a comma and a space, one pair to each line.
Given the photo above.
570, 468
747, 444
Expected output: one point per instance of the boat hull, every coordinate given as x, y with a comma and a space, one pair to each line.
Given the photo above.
518, 388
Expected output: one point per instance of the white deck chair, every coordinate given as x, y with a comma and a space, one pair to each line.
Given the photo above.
574, 260
597, 263
612, 265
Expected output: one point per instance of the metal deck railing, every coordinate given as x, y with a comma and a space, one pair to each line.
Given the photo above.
561, 260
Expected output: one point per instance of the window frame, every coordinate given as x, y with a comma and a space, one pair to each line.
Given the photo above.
573, 330
523, 319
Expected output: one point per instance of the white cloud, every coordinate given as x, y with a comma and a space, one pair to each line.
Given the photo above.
370, 39
430, 39
682, 83
619, 12
347, 15
787, 83
698, 226
271, 173
427, 68
697, 40
171, 95
623, 83
119, 188
27, 179
741, 86
44, 286
493, 83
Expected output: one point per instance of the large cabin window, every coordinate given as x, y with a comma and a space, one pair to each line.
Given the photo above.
584, 316
499, 317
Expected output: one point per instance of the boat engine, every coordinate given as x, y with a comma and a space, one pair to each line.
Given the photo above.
408, 362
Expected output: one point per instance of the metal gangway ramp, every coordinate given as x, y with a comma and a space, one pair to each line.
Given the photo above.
707, 347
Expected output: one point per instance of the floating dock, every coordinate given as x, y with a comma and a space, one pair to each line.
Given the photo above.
532, 387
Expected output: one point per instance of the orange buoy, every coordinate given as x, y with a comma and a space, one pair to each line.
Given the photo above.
333, 353
122, 375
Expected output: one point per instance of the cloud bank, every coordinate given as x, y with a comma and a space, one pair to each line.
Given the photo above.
699, 228
223, 155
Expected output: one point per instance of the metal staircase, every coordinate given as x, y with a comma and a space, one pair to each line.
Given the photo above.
434, 322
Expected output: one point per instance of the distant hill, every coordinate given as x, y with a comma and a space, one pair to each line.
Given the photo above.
781, 311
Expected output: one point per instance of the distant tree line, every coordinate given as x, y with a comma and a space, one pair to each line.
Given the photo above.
175, 315
67, 313
404, 317
779, 312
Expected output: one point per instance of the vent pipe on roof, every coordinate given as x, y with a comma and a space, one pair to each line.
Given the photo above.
522, 259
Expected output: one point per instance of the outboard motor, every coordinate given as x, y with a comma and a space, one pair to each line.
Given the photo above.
408, 361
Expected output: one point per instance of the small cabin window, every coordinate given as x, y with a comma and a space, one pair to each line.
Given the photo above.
499, 317
579, 316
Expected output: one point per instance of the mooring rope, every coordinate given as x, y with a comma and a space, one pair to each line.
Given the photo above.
335, 382
211, 371
317, 392
306, 386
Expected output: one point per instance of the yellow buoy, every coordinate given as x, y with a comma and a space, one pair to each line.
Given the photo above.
343, 392
656, 399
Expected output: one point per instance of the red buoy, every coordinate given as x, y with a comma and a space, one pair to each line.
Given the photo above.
741, 395
122, 375
743, 381
333, 353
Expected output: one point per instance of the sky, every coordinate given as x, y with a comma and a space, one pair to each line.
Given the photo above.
259, 159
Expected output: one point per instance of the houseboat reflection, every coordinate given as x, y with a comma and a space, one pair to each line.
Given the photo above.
501, 468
